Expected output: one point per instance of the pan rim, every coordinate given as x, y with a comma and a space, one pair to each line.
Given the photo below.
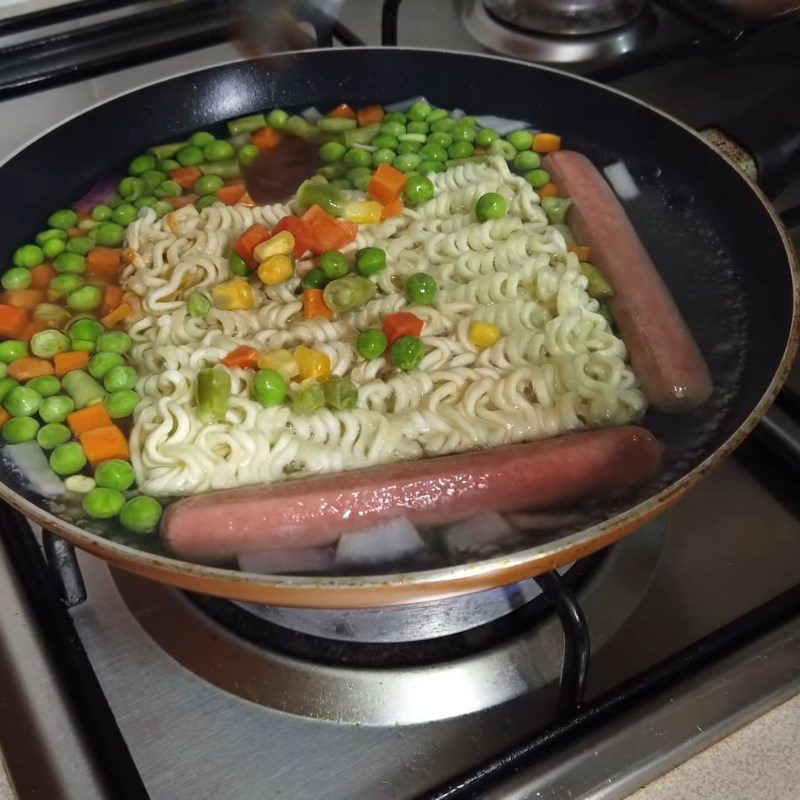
400, 588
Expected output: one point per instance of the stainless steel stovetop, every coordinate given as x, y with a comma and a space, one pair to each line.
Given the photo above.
207, 714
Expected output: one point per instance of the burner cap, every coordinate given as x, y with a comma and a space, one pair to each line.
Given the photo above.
565, 17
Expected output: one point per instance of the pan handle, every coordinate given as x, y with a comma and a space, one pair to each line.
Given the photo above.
770, 133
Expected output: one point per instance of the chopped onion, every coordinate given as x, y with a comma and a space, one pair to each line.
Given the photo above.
311, 114
388, 542
621, 180
501, 124
31, 461
239, 140
475, 532
300, 559
458, 113
542, 520
79, 484
368, 147
99, 194
402, 105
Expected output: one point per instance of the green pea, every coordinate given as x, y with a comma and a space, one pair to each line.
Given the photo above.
417, 127
445, 125
49, 343
537, 178
407, 352
168, 189
101, 503
198, 305
3, 370
81, 244
333, 171
436, 113
393, 129
418, 189
460, 150
145, 202
491, 205
425, 167
141, 164
218, 150
166, 165
202, 138
29, 256
419, 110
409, 147
141, 514
334, 264
82, 344
463, 133
7, 385
114, 474
359, 177
237, 266
395, 116
314, 279
371, 344
56, 408
420, 288
485, 136
342, 183
51, 233
16, 278
22, 401
131, 188
124, 214
20, 429
307, 399
370, 261
85, 328
109, 234
53, 248
406, 162
208, 184
113, 342
521, 140
66, 283
102, 213
122, 403
52, 435
383, 156
205, 201
189, 156
247, 154
162, 207
332, 151
269, 387
46, 385
87, 298
526, 161
340, 393
441, 138
12, 349
385, 142
433, 152
153, 178
119, 378
468, 120
277, 118
67, 459
357, 157
503, 148
65, 218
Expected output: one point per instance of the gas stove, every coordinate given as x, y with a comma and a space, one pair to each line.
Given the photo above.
586, 683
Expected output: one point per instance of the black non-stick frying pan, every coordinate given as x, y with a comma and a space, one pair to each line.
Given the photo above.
717, 242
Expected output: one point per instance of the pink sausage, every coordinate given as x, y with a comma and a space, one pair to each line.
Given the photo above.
311, 512
664, 355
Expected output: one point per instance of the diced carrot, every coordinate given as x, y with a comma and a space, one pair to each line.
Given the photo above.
300, 229
314, 214
102, 444
230, 195
128, 255
112, 297
66, 362
386, 183
31, 328
182, 201
121, 312
104, 262
579, 250
41, 276
83, 215
314, 305
370, 114
185, 176
400, 324
266, 139
4, 416
479, 151
12, 321
546, 142
327, 232
75, 233
246, 200
392, 208
548, 190
244, 357
248, 241
89, 418
28, 367
23, 298
342, 111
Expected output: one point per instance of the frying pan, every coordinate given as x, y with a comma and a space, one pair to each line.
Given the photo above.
719, 245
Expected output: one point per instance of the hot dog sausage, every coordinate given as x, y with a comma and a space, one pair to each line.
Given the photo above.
664, 355
316, 511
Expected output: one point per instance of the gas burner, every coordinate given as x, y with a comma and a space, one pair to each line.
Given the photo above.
510, 647
558, 32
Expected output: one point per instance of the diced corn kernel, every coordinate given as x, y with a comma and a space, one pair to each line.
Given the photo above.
363, 211
276, 269
483, 334
233, 295
312, 364
281, 361
280, 245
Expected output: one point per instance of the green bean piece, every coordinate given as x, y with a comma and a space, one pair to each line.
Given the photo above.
198, 305
141, 514
420, 110
503, 148
420, 288
46, 385
121, 404
308, 397
370, 261
131, 188
53, 248
16, 278
52, 435
491, 205
208, 184
460, 149
22, 401
101, 503
65, 218
303, 129
82, 388
168, 188
114, 474
371, 344
598, 287
189, 156
331, 172
247, 154
119, 378
166, 165
109, 234
556, 209
327, 197
526, 161
269, 387
12, 349
212, 392
113, 342
20, 429
360, 177
56, 408
49, 343
348, 293
314, 279
85, 328
485, 136
28, 256
407, 352
124, 214
248, 124
605, 312
358, 157
342, 183
537, 178
87, 298
277, 118
167, 150
340, 393
51, 233
334, 264
363, 135
336, 124
418, 189
7, 385
227, 169
218, 150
